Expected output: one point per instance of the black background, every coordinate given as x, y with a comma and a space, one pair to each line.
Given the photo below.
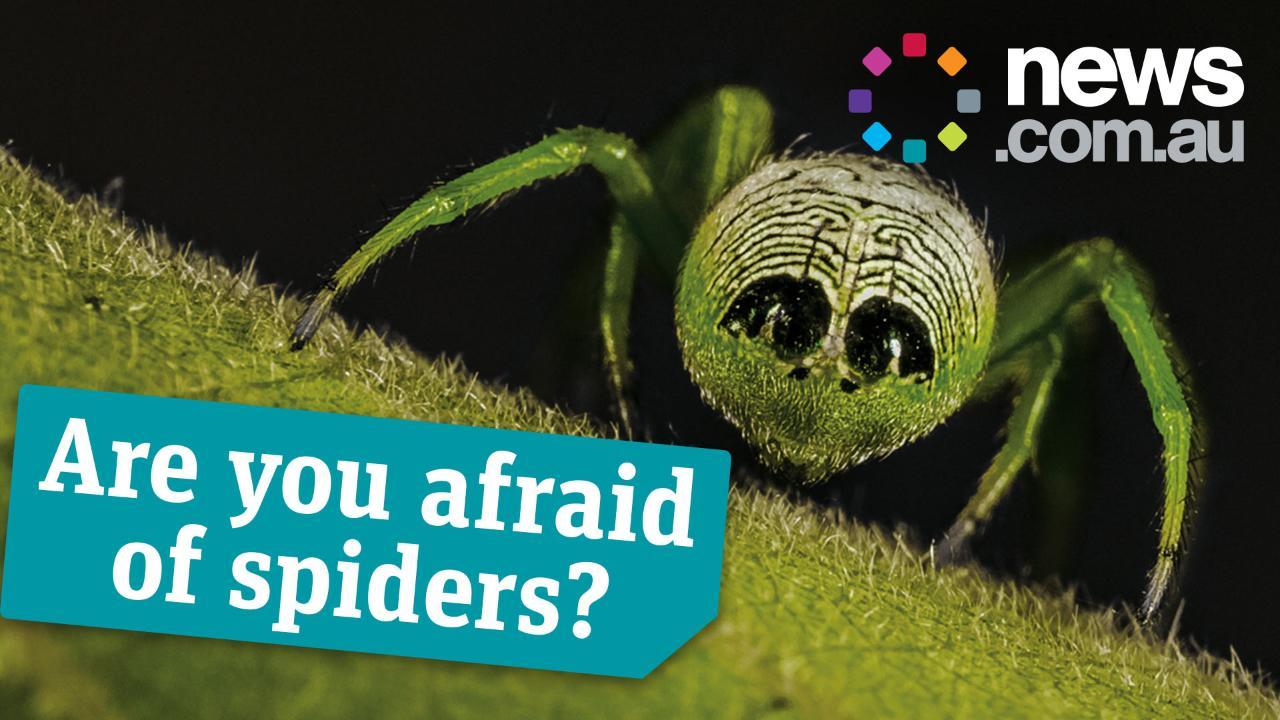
289, 131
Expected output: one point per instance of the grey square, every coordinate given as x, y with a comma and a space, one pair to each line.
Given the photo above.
968, 101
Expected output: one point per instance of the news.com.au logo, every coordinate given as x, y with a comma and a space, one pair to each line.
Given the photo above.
1091, 77
915, 150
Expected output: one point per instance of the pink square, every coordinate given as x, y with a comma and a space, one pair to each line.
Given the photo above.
913, 45
877, 61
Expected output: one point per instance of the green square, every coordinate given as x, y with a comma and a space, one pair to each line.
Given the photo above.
952, 136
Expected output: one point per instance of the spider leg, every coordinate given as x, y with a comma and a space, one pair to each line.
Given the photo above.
1062, 471
1036, 367
1043, 401
614, 156
709, 147
1038, 306
615, 318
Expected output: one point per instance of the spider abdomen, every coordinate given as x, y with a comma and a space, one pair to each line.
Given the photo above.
836, 307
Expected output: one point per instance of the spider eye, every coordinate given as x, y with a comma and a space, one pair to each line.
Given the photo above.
885, 336
790, 314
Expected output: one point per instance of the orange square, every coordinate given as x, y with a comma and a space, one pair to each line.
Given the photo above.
952, 61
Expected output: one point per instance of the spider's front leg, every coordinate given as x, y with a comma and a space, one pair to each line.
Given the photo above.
640, 221
659, 198
1033, 321
614, 156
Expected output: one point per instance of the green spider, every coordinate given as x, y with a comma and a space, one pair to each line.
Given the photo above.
833, 307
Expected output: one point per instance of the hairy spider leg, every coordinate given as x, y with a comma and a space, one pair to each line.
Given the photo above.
614, 156
620, 264
1039, 366
707, 150
1063, 471
1033, 314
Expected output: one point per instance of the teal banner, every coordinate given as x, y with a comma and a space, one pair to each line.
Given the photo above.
361, 534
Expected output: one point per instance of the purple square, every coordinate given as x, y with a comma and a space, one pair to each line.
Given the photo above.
877, 61
859, 101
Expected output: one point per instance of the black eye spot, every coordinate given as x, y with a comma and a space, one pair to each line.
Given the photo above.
790, 314
799, 373
847, 385
881, 332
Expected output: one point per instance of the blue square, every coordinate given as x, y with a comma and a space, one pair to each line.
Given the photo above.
877, 136
913, 151
968, 101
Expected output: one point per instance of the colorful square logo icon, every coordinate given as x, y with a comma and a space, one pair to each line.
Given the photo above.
913, 151
859, 101
876, 136
951, 61
877, 61
952, 136
913, 45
